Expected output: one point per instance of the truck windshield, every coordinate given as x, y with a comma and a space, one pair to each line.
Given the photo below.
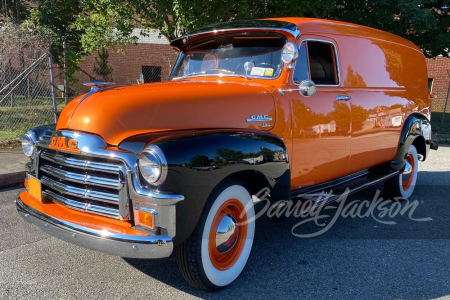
232, 55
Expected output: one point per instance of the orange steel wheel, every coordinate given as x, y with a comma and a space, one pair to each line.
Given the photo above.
408, 179
224, 259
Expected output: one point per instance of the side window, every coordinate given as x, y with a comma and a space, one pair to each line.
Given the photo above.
301, 71
322, 63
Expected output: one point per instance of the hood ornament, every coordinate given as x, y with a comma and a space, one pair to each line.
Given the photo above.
95, 87
99, 84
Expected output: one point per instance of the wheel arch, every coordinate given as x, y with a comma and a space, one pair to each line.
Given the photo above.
416, 131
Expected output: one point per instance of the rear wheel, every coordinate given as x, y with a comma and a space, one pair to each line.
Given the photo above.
402, 185
217, 251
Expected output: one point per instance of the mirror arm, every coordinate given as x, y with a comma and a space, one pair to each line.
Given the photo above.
293, 90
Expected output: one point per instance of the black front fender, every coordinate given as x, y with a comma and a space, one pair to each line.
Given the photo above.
199, 162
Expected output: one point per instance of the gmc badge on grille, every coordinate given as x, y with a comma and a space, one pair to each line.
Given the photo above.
59, 143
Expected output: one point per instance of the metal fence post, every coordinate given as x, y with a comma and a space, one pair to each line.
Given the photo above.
446, 100
52, 78
66, 85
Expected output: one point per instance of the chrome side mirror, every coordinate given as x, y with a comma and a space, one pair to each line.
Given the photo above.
307, 88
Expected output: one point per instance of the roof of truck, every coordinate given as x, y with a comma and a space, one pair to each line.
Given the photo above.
296, 26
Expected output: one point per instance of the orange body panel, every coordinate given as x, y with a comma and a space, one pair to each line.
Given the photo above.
121, 112
384, 74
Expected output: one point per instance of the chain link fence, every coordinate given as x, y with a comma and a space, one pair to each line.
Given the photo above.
26, 98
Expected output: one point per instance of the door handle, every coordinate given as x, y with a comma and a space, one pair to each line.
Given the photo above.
343, 98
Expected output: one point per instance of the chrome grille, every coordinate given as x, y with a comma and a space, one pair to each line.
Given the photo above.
83, 183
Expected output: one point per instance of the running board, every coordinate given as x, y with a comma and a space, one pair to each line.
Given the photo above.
326, 193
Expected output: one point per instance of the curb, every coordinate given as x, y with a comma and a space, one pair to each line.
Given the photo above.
12, 178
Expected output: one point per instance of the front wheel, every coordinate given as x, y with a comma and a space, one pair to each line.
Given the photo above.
402, 185
217, 251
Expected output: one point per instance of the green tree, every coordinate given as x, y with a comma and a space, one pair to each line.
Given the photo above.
14, 10
103, 68
56, 18
424, 22
89, 25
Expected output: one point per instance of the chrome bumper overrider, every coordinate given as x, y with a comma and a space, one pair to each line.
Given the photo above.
133, 246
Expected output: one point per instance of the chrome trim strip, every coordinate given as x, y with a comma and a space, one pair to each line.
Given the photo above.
254, 118
338, 70
124, 245
81, 164
82, 206
80, 192
81, 178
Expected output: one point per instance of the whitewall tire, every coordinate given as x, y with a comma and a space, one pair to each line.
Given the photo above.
218, 250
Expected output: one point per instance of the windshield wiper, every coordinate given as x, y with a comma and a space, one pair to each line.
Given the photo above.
227, 71
194, 73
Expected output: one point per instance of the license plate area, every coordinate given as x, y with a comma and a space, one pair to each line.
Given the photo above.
34, 188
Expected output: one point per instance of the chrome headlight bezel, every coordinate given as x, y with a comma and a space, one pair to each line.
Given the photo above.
28, 144
153, 155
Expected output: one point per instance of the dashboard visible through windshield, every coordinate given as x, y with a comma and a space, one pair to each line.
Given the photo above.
232, 55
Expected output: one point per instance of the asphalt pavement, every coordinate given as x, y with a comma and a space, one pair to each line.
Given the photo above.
12, 166
355, 258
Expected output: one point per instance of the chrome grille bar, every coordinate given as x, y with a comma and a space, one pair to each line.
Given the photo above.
81, 178
81, 164
80, 192
82, 206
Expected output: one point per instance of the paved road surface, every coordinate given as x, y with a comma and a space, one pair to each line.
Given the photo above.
357, 258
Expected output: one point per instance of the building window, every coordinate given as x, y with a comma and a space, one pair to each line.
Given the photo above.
151, 73
430, 84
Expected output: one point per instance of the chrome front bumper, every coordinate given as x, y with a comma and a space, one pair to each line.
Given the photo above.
133, 246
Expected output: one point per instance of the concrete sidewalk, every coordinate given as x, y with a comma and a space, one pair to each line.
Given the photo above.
12, 166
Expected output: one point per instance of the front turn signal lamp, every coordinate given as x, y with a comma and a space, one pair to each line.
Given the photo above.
145, 217
153, 165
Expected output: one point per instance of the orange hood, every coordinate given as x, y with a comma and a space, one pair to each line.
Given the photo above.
121, 112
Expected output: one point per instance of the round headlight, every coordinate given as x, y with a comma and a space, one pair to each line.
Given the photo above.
27, 144
289, 53
153, 165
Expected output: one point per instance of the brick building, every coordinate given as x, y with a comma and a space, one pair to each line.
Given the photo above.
154, 58
438, 77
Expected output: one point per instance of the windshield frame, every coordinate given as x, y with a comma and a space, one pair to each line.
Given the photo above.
182, 55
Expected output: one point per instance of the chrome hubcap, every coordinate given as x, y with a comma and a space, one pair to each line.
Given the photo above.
408, 168
227, 234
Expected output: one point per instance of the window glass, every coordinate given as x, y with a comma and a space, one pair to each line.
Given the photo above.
322, 63
233, 55
301, 66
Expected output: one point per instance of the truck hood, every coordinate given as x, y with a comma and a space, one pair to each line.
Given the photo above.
121, 112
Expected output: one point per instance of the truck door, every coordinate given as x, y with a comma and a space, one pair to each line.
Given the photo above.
321, 124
